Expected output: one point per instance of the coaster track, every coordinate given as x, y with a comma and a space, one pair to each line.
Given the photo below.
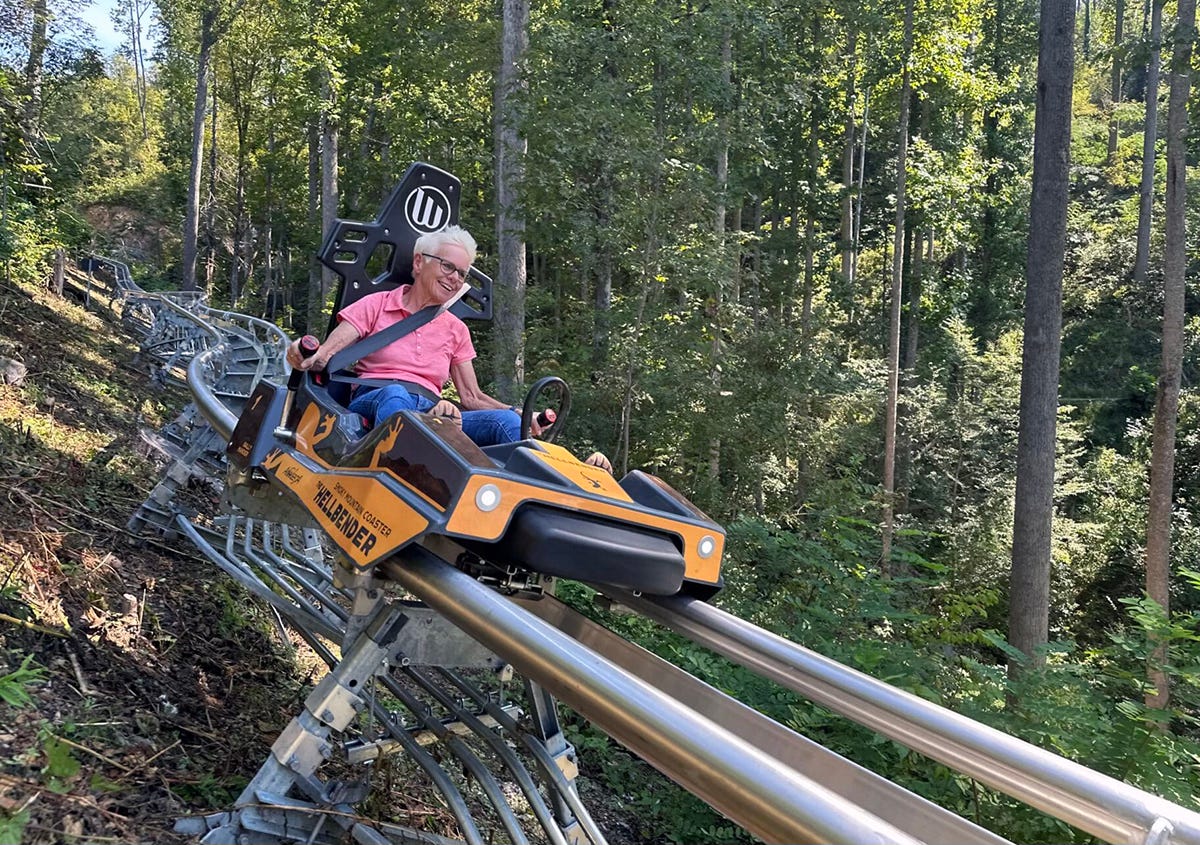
422, 654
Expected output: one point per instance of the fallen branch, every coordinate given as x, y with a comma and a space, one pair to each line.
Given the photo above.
160, 753
12, 620
84, 689
95, 754
10, 782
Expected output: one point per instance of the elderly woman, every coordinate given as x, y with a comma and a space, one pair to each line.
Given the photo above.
420, 362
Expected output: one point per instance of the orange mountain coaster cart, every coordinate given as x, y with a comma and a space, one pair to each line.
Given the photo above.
513, 509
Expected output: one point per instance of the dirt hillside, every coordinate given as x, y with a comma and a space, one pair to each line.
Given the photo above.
136, 684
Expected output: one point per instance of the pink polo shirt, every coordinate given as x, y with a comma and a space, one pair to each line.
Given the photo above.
423, 356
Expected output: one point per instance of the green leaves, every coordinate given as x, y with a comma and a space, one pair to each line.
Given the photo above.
61, 764
12, 828
14, 686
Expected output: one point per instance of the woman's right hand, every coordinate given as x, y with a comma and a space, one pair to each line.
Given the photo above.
293, 356
297, 361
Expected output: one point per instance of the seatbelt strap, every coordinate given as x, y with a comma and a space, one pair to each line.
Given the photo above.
365, 346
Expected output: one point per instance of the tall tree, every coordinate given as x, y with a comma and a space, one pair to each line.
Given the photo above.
191, 220
128, 15
1115, 80
893, 350
604, 201
1166, 407
34, 72
1029, 587
719, 230
213, 23
511, 146
244, 63
330, 138
209, 236
847, 231
1149, 144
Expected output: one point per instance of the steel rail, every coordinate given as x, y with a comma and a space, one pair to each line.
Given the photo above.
768, 798
1101, 805
211, 408
255, 586
877, 795
471, 762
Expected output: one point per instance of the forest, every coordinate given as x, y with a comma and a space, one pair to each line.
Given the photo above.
897, 292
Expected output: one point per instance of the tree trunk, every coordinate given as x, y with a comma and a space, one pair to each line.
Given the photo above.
847, 230
239, 272
312, 317
735, 264
910, 337
652, 270
355, 191
1149, 138
509, 334
604, 210
211, 30
1113, 124
602, 300
58, 275
858, 207
714, 446
1166, 407
32, 116
191, 220
893, 390
241, 88
136, 10
981, 305
269, 286
210, 204
755, 293
1029, 592
810, 237
329, 188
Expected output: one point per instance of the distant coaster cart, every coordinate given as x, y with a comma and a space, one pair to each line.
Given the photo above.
513, 512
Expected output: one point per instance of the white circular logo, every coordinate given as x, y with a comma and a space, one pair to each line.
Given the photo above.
427, 209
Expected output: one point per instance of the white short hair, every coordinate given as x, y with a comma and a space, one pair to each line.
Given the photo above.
434, 241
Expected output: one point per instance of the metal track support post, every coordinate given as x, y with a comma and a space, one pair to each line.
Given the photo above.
543, 709
264, 812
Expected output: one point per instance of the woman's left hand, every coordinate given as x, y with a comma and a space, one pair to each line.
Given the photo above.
445, 408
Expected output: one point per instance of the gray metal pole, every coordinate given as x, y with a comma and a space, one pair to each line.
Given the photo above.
1103, 806
747, 785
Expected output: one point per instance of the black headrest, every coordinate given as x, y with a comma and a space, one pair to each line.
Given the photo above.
425, 201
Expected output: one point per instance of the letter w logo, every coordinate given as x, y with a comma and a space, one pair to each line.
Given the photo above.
427, 209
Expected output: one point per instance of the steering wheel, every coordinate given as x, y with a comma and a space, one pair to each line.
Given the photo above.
529, 410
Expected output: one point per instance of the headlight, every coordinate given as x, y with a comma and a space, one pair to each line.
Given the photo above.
488, 498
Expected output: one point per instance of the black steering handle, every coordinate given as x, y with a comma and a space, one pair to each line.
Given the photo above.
558, 421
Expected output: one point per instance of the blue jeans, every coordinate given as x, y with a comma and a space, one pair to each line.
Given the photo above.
485, 428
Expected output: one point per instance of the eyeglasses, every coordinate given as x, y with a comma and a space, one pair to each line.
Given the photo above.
448, 269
